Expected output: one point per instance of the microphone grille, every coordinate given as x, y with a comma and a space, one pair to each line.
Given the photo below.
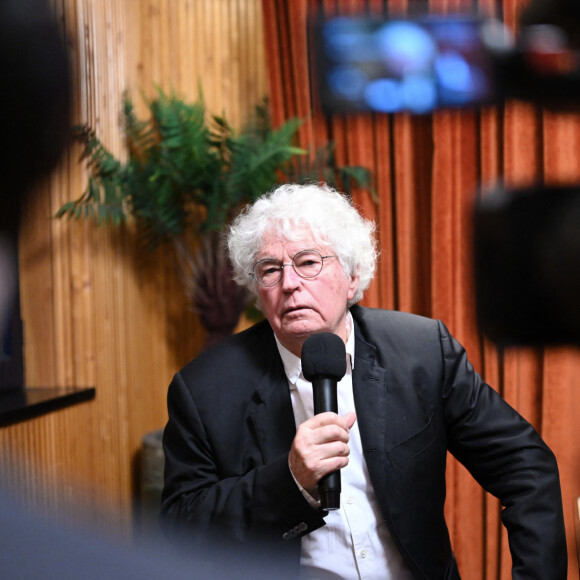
323, 355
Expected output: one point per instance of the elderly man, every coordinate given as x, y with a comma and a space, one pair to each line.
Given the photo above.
245, 452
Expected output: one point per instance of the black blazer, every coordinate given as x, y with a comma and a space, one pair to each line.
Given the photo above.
417, 397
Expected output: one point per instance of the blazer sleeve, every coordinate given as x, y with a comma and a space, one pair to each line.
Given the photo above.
508, 458
216, 483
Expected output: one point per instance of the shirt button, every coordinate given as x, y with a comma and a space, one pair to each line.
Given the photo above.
364, 553
349, 500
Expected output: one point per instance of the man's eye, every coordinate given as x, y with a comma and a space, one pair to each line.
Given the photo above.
308, 262
270, 270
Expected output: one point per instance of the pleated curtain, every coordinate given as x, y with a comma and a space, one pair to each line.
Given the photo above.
428, 172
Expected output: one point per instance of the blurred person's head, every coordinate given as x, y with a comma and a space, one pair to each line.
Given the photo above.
34, 116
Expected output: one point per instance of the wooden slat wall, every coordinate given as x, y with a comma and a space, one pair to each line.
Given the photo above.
98, 311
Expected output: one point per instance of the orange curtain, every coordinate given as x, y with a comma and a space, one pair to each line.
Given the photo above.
426, 172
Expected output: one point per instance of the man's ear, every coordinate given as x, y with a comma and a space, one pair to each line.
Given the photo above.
353, 286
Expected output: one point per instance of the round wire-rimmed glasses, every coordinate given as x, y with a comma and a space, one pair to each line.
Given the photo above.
306, 263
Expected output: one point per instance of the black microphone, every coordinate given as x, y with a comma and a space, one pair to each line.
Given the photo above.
324, 364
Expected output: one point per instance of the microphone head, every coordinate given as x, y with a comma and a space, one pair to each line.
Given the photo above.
323, 355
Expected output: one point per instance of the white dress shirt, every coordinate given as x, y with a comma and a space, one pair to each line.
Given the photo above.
355, 543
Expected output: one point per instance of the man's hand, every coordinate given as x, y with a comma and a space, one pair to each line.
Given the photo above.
320, 447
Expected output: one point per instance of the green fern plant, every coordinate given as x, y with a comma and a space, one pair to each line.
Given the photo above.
177, 164
188, 171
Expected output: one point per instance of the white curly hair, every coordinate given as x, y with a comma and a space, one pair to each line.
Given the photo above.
328, 214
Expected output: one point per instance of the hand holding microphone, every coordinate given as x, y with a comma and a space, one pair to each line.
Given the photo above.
324, 364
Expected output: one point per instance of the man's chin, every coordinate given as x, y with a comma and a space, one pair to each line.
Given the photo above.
302, 329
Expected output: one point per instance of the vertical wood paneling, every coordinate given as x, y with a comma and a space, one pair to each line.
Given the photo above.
98, 310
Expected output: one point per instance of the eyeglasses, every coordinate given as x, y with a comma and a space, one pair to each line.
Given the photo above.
306, 263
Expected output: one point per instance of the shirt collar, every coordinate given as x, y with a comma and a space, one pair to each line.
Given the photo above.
293, 364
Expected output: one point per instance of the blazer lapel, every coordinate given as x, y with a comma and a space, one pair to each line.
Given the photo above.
273, 417
374, 412
369, 387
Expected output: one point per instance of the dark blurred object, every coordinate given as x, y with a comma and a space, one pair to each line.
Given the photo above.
34, 103
527, 265
34, 121
11, 356
544, 68
424, 62
406, 64
527, 242
37, 549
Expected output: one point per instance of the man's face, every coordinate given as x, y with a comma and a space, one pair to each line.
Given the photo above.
296, 307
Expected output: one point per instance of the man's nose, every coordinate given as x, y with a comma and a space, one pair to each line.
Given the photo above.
289, 277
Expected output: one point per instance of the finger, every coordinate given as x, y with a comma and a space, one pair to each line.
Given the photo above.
329, 434
331, 449
328, 418
322, 460
332, 463
350, 419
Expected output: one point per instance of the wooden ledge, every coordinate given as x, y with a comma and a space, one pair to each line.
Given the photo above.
21, 404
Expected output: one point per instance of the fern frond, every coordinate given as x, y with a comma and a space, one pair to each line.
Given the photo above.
181, 166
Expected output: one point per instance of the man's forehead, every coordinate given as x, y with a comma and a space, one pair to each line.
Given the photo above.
300, 238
